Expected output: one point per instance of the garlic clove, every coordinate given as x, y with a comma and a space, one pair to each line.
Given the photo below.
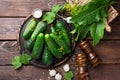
66, 67
58, 76
52, 72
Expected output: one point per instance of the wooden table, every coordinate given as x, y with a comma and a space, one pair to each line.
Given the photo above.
13, 13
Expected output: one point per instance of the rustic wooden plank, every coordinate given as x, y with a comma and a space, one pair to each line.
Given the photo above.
107, 50
102, 72
9, 28
117, 6
8, 49
115, 32
105, 72
26, 73
25, 7
22, 7
8, 73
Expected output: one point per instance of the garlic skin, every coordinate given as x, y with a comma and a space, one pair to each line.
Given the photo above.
52, 72
58, 76
37, 13
66, 67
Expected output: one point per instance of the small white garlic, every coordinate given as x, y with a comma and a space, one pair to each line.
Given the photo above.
66, 67
37, 13
58, 76
52, 72
68, 19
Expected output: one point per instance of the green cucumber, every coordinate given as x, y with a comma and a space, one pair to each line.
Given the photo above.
66, 37
29, 44
62, 30
38, 46
52, 46
62, 44
41, 26
29, 29
47, 57
59, 26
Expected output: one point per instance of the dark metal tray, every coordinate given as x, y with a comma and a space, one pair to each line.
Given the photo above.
38, 63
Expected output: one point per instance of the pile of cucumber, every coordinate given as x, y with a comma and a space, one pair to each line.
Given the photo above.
47, 43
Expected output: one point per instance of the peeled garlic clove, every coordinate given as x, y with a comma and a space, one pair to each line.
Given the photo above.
58, 76
37, 13
66, 67
52, 72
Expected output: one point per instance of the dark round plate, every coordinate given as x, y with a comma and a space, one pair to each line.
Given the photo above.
38, 63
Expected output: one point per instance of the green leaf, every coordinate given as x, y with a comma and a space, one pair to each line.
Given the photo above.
16, 62
49, 17
25, 58
82, 32
56, 8
97, 31
92, 12
19, 60
76, 28
102, 1
69, 75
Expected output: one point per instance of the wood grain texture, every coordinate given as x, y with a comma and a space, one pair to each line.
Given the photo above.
117, 6
13, 13
16, 8
107, 50
8, 49
115, 32
9, 28
103, 72
8, 73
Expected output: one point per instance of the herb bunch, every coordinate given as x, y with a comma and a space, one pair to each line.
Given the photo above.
89, 18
